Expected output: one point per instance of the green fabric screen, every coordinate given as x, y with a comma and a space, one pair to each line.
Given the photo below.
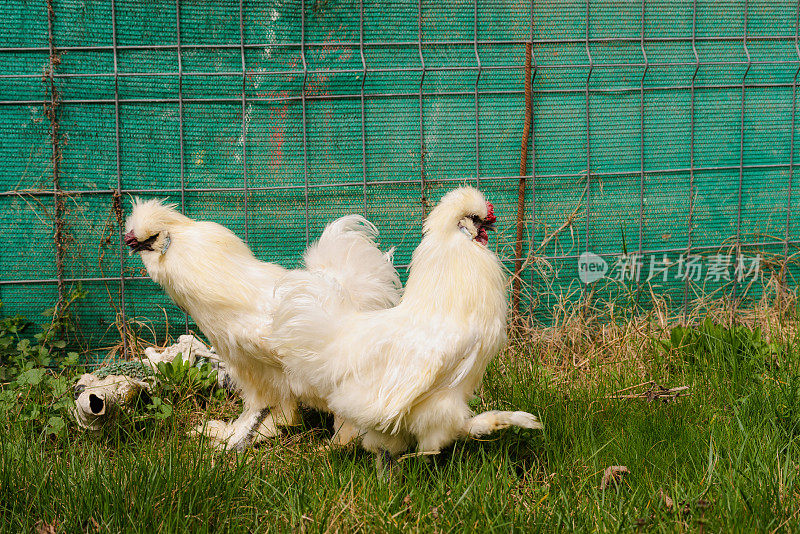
659, 127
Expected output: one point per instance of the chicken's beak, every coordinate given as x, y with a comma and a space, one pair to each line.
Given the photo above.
138, 246
131, 241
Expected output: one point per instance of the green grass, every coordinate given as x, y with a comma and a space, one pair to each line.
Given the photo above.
727, 455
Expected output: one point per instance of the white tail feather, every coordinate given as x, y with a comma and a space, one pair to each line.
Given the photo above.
345, 272
346, 252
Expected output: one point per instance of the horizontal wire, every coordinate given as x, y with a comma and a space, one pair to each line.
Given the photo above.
415, 43
405, 265
351, 96
458, 68
410, 181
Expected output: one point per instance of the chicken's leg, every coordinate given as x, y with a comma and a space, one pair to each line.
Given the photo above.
237, 434
487, 422
254, 425
344, 433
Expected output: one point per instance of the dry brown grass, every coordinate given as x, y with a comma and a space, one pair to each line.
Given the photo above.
586, 332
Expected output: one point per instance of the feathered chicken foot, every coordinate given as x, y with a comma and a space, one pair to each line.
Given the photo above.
216, 431
241, 442
344, 435
253, 426
485, 423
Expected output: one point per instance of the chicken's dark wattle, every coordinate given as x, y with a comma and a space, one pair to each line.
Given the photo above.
136, 245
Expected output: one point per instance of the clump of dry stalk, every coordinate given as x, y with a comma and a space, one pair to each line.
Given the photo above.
584, 330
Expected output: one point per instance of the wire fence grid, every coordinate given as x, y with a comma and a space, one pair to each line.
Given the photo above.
661, 133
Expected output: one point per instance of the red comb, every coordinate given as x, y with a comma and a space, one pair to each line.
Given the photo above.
490, 218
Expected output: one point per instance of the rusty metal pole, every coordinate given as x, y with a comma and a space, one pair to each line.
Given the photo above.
522, 186
51, 108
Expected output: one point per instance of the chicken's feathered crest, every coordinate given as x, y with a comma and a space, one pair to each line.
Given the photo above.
148, 215
458, 203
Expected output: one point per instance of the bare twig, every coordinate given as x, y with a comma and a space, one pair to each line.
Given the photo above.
655, 393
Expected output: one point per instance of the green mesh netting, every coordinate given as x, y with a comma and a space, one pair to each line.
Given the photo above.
682, 114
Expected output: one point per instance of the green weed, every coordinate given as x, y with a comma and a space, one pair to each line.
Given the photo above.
723, 458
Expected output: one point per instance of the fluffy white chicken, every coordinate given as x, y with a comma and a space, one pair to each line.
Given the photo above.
213, 276
404, 375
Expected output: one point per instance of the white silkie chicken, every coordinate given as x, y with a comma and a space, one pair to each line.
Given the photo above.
405, 375
213, 276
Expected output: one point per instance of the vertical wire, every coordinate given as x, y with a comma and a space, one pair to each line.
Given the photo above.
522, 187
588, 143
791, 148
244, 125
422, 185
641, 135
477, 109
363, 81
180, 103
531, 246
303, 96
180, 125
690, 230
741, 159
641, 156
588, 138
119, 180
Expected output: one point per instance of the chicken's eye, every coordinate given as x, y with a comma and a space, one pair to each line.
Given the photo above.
475, 219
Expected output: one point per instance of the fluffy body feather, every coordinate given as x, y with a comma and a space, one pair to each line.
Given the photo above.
405, 374
212, 275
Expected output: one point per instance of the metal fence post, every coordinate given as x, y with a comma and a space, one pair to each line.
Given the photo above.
305, 122
123, 308
690, 229
422, 183
363, 81
245, 124
791, 150
734, 303
588, 147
